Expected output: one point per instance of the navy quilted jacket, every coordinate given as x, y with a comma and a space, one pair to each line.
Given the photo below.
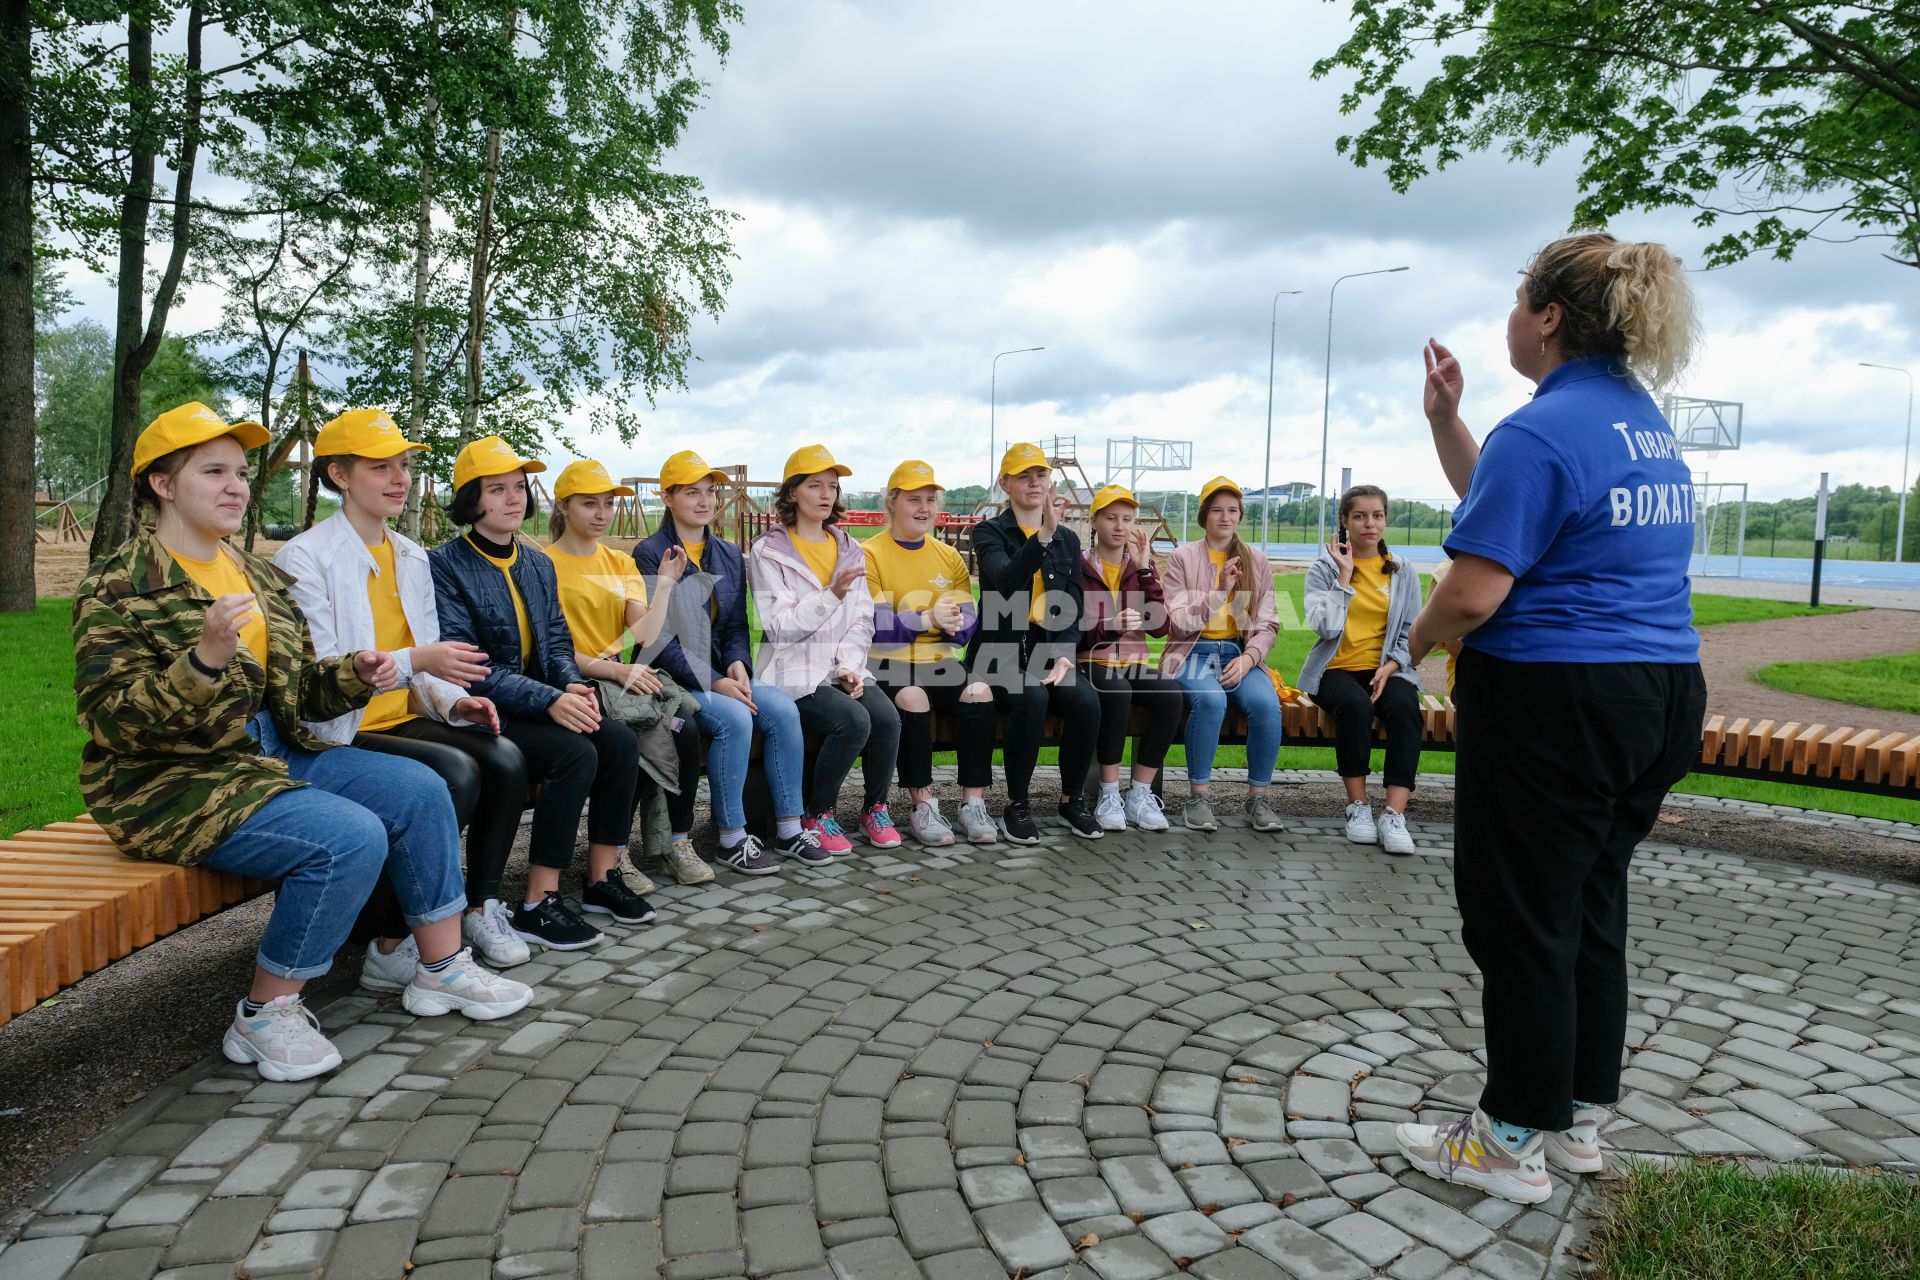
698, 646
474, 605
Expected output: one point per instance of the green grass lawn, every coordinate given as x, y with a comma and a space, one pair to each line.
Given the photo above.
1890, 683
39, 737
1721, 1222
1712, 610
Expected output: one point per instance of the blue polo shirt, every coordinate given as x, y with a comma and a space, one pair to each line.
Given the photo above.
1583, 495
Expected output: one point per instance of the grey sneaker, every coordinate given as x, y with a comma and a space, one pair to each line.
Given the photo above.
1198, 815
686, 864
929, 827
1468, 1154
390, 971
1577, 1149
1260, 814
977, 825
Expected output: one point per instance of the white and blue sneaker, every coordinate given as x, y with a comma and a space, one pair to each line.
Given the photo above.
464, 986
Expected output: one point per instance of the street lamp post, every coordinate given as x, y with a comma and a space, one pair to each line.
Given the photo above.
1900, 529
993, 396
1266, 472
1326, 391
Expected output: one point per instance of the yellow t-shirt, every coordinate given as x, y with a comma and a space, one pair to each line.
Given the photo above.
1221, 625
913, 580
519, 605
221, 576
694, 551
1111, 574
1453, 662
390, 634
1366, 633
1038, 610
594, 591
820, 555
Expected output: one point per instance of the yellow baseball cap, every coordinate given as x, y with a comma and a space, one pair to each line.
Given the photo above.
190, 424
812, 459
1110, 494
587, 476
913, 474
1020, 457
688, 467
362, 433
490, 456
1216, 485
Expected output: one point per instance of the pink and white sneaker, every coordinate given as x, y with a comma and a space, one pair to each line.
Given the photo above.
833, 841
877, 824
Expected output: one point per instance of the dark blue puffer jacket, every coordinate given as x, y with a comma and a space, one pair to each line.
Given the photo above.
706, 628
474, 605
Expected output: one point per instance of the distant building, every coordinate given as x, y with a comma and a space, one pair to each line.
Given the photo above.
1291, 491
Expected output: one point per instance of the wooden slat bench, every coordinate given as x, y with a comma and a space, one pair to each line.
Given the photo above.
71, 904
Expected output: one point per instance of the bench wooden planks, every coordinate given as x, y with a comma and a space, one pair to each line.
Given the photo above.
71, 903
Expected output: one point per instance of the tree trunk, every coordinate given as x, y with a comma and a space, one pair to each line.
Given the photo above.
422, 275
477, 290
257, 500
16, 308
135, 345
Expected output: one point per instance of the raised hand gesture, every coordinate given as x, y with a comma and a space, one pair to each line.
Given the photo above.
1342, 553
1441, 397
1140, 547
1050, 514
846, 578
672, 564
220, 628
1230, 575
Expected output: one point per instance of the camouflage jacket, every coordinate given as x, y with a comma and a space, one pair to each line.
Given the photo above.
169, 768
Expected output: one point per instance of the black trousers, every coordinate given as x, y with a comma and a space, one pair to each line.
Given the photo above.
686, 741
487, 775
1019, 695
867, 727
943, 682
593, 771
1119, 690
1345, 694
1561, 771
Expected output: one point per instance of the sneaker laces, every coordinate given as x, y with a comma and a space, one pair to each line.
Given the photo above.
880, 818
746, 851
1148, 800
624, 872
830, 825
807, 835
1452, 1140
495, 921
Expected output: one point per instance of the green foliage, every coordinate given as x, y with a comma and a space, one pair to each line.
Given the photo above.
73, 392
1786, 121
1723, 1222
39, 736
1712, 610
1887, 683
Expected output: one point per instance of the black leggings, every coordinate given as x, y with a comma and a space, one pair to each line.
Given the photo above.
487, 775
1345, 694
943, 682
680, 805
867, 727
1122, 688
573, 768
1027, 705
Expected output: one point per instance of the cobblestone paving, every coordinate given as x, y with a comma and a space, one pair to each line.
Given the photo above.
1113, 1060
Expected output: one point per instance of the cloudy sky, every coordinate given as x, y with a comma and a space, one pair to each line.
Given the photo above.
1128, 184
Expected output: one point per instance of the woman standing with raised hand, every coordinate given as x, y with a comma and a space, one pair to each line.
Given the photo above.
1124, 607
810, 583
605, 602
924, 616
709, 652
193, 677
363, 586
1222, 621
1361, 599
1030, 604
1569, 590
495, 593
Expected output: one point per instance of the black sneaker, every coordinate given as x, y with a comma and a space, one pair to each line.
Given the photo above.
1017, 824
803, 846
552, 923
611, 897
1075, 814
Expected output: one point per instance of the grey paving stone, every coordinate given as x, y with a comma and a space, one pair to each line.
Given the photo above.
849, 1189
625, 1192
1143, 1184
219, 1231
292, 1251
1302, 1251
1022, 1236
1371, 1240
372, 1249
1185, 1235
398, 1191
105, 1186
881, 1258
918, 1164
1429, 1220
121, 1264
45, 1259
699, 1224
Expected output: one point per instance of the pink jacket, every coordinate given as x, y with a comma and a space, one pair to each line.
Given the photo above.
1192, 598
809, 635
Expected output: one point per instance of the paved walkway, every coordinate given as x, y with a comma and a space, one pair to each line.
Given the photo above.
1106, 1061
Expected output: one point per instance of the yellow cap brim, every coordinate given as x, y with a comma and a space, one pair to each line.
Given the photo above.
838, 468
618, 490
393, 450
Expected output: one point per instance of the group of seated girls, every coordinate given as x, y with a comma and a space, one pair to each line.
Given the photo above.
332, 720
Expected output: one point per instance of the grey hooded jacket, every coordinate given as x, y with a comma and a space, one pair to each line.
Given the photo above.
1327, 601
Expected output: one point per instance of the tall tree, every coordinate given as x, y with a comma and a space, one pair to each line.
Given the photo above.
1777, 121
16, 306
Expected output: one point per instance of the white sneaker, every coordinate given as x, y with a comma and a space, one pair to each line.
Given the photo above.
1110, 812
282, 1041
1468, 1154
392, 972
929, 827
1143, 808
1576, 1149
1360, 828
685, 862
1394, 837
977, 824
464, 985
489, 931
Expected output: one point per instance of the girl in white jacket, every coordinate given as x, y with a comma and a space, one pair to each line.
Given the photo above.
363, 586
810, 585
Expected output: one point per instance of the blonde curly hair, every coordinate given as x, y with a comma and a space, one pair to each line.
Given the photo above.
1616, 297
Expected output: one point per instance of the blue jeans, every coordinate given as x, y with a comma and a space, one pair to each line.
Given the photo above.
728, 722
360, 813
1207, 710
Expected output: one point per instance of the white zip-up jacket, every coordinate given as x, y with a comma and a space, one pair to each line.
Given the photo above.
811, 634
330, 564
